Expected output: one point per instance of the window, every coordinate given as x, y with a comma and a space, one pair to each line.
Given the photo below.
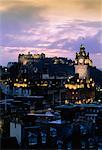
59, 143
32, 138
53, 132
43, 137
83, 144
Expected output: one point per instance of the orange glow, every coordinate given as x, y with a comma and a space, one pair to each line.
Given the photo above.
66, 101
93, 84
20, 85
74, 86
42, 84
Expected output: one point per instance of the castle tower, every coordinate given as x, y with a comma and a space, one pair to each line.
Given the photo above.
82, 63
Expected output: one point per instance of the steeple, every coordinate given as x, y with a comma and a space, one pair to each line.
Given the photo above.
82, 51
82, 48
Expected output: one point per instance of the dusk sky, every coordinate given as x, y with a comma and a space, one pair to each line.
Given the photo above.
53, 27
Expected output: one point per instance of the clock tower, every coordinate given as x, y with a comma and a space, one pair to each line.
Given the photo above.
82, 63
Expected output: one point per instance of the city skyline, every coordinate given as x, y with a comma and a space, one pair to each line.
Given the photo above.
53, 27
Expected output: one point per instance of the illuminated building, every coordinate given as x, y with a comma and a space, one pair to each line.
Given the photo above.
38, 75
24, 59
81, 88
82, 63
47, 76
79, 91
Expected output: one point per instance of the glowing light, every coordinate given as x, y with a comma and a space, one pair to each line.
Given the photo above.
74, 86
93, 84
75, 61
44, 84
86, 61
16, 80
66, 101
79, 102
5, 69
78, 86
88, 85
20, 85
66, 85
25, 80
99, 100
82, 86
90, 79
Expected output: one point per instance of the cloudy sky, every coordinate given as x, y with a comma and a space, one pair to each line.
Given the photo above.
54, 27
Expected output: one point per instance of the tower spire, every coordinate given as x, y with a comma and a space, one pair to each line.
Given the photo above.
82, 47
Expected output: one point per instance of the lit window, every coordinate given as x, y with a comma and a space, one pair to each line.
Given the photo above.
16, 80
5, 69
25, 80
90, 79
93, 84
77, 80
88, 86
74, 87
20, 85
66, 101
78, 86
